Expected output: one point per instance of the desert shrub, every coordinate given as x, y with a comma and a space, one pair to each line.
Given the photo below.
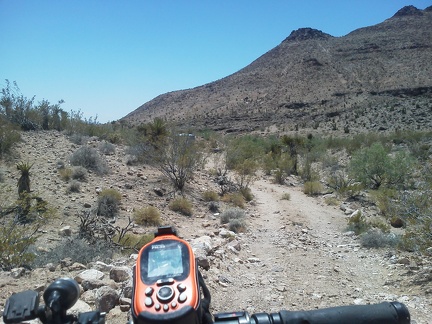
107, 148
234, 217
373, 166
131, 241
108, 203
15, 241
312, 188
65, 174
286, 196
210, 195
177, 157
358, 223
231, 213
74, 186
245, 173
247, 194
78, 139
8, 138
213, 206
375, 238
77, 249
331, 201
182, 206
147, 216
79, 173
235, 198
90, 159
237, 225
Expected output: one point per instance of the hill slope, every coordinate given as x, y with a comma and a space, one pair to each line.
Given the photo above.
374, 78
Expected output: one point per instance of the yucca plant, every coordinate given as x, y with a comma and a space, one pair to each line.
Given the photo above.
24, 180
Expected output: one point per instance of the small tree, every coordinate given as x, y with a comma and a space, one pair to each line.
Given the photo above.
369, 165
373, 166
177, 158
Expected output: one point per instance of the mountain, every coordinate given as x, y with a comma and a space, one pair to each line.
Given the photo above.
374, 78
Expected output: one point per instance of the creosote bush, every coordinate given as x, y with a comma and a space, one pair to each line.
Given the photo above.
90, 159
182, 206
147, 216
108, 203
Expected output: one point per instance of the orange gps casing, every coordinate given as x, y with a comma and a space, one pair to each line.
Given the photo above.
165, 284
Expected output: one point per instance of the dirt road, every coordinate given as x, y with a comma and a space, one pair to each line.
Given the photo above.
299, 256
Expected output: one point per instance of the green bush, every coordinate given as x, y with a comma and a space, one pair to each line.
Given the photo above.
90, 159
182, 206
312, 188
15, 241
9, 136
373, 167
147, 216
108, 203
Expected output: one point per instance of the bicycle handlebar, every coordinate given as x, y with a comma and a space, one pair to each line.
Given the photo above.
63, 293
383, 313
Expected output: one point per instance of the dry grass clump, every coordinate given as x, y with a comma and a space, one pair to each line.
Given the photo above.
147, 216
210, 195
182, 206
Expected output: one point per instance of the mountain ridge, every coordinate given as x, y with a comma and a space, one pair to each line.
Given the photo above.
316, 82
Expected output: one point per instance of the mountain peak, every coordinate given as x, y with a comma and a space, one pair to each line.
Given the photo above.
306, 33
408, 11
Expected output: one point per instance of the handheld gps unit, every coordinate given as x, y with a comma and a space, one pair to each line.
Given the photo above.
166, 284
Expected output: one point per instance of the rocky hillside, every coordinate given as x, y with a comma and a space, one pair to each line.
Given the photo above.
295, 252
374, 78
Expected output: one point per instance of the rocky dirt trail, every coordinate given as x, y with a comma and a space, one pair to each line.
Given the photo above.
295, 254
298, 255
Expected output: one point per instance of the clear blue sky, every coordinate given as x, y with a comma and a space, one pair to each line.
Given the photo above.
107, 57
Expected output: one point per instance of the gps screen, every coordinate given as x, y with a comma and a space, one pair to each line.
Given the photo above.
165, 261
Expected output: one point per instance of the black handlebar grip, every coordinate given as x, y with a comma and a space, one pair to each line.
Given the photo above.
383, 313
